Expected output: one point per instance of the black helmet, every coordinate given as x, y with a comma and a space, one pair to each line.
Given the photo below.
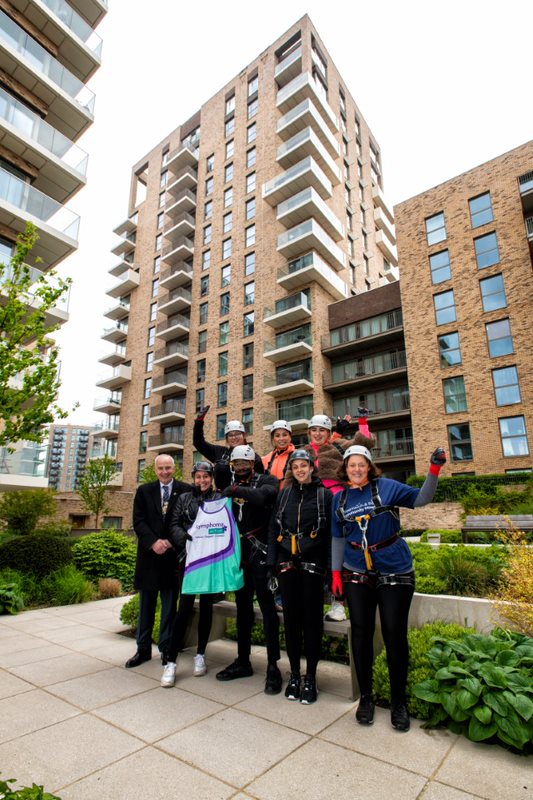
302, 455
202, 466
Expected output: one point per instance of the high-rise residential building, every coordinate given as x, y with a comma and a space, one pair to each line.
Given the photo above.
69, 449
244, 224
465, 251
48, 51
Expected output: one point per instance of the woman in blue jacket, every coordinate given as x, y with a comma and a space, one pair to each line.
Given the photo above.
373, 568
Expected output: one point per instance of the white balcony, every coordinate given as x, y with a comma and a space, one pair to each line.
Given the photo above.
108, 429
384, 224
301, 88
110, 405
118, 311
129, 280
310, 236
168, 442
179, 275
298, 386
288, 310
306, 143
172, 410
306, 204
116, 333
176, 300
183, 201
120, 267
176, 327
186, 178
115, 357
57, 315
182, 156
126, 245
184, 225
24, 468
302, 175
179, 250
388, 248
305, 115
121, 375
390, 274
297, 349
128, 226
91, 10
311, 267
379, 202
289, 67
170, 383
172, 355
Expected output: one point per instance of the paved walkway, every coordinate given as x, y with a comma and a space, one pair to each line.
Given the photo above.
72, 718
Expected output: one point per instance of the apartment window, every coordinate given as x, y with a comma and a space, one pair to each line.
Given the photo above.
147, 388
487, 250
228, 222
204, 286
223, 363
248, 420
155, 287
227, 248
229, 127
224, 304
251, 157
349, 220
514, 436
253, 85
252, 108
143, 441
199, 400
149, 362
206, 259
248, 324
440, 266
247, 356
208, 232
481, 210
202, 342
228, 197
249, 293
250, 208
160, 220
450, 350
249, 264
164, 178
151, 336
230, 104
250, 236
251, 133
225, 276
210, 163
493, 293
506, 386
444, 307
230, 148
204, 313
145, 415
222, 394
250, 182
159, 241
436, 228
228, 173
200, 370
153, 312
209, 184
223, 333
208, 210
157, 265
500, 338
161, 200
221, 424
454, 395
141, 466
460, 443
248, 388
347, 195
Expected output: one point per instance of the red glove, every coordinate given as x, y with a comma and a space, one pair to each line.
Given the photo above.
336, 583
202, 413
363, 421
437, 461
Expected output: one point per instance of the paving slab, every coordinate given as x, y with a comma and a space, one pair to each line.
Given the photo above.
102, 688
309, 719
16, 644
58, 669
42, 653
11, 685
32, 711
438, 791
64, 635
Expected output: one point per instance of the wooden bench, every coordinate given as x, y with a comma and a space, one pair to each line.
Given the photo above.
497, 522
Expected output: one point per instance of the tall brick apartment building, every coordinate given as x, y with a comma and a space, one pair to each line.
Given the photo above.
244, 224
465, 250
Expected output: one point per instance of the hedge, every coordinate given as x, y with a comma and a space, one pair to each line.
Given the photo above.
454, 489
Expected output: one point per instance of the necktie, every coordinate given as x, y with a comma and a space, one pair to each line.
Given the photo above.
166, 495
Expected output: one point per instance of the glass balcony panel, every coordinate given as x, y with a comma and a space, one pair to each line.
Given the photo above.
72, 20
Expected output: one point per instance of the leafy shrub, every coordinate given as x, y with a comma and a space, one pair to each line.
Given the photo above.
454, 489
11, 601
109, 587
446, 536
420, 667
334, 648
39, 555
54, 528
482, 687
430, 585
20, 511
107, 554
33, 792
464, 570
411, 531
513, 598
67, 586
129, 615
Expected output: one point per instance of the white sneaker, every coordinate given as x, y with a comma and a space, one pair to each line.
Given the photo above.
199, 666
169, 675
337, 612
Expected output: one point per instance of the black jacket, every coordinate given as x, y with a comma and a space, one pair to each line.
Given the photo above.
300, 515
154, 571
219, 456
252, 515
184, 514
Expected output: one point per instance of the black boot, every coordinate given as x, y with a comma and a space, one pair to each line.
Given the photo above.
399, 716
365, 710
273, 680
293, 690
139, 658
309, 690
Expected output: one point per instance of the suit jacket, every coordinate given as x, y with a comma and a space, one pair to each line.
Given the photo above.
154, 571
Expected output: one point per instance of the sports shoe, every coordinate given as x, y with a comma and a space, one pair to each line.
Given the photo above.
309, 690
169, 675
199, 666
293, 690
365, 710
399, 717
273, 680
337, 612
235, 670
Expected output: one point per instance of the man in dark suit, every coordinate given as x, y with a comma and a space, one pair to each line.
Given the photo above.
155, 571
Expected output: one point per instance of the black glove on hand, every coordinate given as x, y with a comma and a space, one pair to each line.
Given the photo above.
341, 426
202, 413
437, 460
229, 491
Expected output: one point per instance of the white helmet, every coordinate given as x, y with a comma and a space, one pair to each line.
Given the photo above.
234, 425
243, 452
280, 424
320, 421
357, 450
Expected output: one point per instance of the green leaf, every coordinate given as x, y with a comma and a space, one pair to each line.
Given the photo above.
449, 701
525, 651
521, 704
507, 658
466, 699
497, 702
439, 716
513, 730
483, 714
478, 732
520, 682
427, 690
493, 676
472, 685
444, 674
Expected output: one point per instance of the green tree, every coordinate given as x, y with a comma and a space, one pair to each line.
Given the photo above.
29, 374
94, 485
20, 511
148, 474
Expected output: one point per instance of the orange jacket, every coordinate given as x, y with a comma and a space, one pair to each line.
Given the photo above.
279, 461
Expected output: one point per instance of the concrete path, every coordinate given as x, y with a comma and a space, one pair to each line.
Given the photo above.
72, 718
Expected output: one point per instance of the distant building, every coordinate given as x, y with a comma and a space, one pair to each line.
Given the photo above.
70, 448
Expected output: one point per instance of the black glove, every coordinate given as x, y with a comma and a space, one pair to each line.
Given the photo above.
202, 413
229, 491
363, 412
437, 460
341, 426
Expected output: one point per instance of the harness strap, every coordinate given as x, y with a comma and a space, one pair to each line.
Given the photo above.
378, 545
306, 566
254, 541
375, 580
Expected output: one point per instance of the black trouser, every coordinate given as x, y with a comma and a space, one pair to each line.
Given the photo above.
147, 607
181, 621
393, 602
255, 580
303, 610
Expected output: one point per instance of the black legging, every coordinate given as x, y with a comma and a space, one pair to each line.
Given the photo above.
303, 598
255, 580
181, 621
393, 602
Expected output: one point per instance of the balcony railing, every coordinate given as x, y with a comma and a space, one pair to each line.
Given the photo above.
72, 20
310, 235
529, 226
175, 436
306, 113
20, 194
395, 449
370, 365
7, 274
177, 376
39, 58
389, 401
525, 182
176, 348
311, 267
173, 322
175, 406
364, 329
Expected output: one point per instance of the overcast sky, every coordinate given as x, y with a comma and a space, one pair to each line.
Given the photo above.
443, 86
